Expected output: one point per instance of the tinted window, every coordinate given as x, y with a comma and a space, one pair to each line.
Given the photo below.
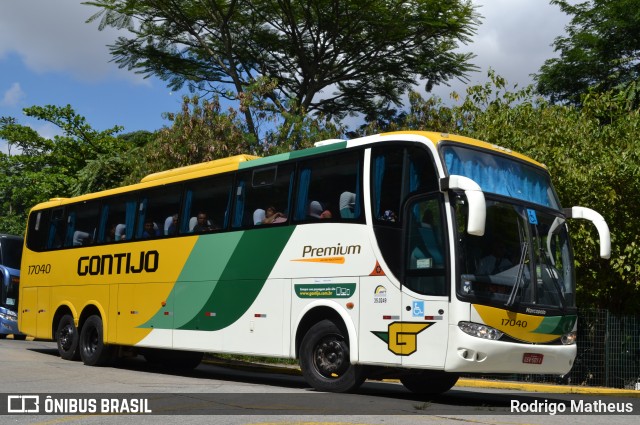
38, 230
330, 188
263, 196
207, 199
397, 172
117, 219
156, 211
11, 252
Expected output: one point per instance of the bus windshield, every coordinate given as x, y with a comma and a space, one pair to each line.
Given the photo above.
501, 175
523, 260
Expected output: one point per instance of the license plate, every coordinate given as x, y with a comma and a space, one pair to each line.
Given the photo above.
532, 358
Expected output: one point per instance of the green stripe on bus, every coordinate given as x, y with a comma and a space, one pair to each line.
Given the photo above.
556, 325
242, 279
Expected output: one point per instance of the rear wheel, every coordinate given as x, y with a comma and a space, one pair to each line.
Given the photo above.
430, 382
93, 350
67, 338
325, 359
19, 337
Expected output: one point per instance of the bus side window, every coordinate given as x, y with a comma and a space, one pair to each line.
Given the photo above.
38, 230
116, 219
209, 197
263, 189
329, 188
397, 173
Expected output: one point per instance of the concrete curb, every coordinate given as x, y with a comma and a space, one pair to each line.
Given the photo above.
462, 382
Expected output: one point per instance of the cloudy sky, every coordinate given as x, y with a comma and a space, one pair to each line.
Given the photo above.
49, 55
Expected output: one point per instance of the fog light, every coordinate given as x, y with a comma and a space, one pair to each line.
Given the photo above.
569, 339
480, 331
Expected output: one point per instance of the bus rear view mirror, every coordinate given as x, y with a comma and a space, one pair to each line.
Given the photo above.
598, 221
475, 198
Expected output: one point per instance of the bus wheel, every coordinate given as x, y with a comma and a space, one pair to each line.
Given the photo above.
93, 351
19, 337
324, 360
67, 338
430, 382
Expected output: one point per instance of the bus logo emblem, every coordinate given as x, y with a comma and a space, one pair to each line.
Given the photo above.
402, 337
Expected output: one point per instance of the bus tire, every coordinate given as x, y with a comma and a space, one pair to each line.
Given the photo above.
430, 382
67, 338
19, 337
325, 360
93, 350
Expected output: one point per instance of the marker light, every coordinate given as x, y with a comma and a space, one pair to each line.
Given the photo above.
480, 331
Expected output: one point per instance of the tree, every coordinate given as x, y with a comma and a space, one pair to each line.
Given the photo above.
202, 131
360, 50
39, 168
109, 170
600, 51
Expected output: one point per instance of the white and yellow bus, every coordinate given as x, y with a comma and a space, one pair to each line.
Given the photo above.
415, 255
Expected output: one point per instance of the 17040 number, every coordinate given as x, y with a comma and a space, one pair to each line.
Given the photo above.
513, 322
40, 269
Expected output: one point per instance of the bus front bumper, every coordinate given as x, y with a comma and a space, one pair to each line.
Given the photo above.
470, 354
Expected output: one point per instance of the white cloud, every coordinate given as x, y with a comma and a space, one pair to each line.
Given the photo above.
514, 39
13, 96
52, 36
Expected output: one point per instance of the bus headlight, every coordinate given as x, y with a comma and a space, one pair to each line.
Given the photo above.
480, 331
569, 339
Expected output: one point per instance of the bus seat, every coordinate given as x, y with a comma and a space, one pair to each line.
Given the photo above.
81, 238
347, 204
258, 216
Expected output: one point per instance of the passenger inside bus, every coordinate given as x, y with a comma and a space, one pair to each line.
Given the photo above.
150, 230
272, 216
316, 210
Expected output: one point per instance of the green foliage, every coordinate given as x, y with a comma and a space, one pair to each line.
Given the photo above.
202, 131
360, 49
600, 51
37, 169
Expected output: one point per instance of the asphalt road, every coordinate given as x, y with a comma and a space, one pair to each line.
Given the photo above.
134, 392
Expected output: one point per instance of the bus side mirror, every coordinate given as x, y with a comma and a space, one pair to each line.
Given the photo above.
475, 198
598, 221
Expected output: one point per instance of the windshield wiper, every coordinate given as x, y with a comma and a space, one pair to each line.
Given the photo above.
519, 275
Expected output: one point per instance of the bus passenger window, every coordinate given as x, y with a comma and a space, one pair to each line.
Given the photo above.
81, 224
329, 188
207, 197
116, 219
263, 190
156, 210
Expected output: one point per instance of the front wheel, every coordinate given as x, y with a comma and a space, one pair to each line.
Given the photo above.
93, 350
325, 360
431, 382
67, 338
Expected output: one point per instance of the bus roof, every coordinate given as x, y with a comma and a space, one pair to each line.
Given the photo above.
244, 161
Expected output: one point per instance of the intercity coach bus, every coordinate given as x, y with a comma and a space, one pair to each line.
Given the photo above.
414, 255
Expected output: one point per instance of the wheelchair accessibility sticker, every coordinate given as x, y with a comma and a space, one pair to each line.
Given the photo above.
417, 309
